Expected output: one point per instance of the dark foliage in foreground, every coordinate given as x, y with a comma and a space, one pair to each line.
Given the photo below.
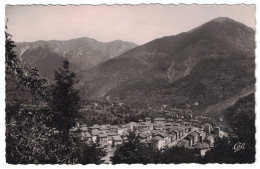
241, 118
31, 141
65, 100
30, 136
134, 152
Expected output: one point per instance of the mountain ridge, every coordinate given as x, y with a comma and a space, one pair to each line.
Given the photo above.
171, 58
84, 53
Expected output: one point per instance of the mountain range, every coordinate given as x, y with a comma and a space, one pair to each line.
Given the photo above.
199, 68
83, 53
207, 64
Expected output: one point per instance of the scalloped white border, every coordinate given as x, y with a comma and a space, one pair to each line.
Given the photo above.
111, 2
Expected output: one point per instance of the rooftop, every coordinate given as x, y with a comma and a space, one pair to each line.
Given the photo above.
84, 129
96, 126
194, 134
156, 138
110, 133
210, 137
201, 146
94, 132
102, 134
162, 134
123, 126
159, 119
182, 142
188, 137
117, 138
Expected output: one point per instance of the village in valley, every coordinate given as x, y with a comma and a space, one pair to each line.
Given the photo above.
179, 131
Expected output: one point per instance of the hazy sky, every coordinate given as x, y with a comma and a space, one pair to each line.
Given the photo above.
138, 24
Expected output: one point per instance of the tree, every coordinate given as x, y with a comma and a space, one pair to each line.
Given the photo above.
222, 152
33, 142
178, 155
20, 77
133, 152
91, 154
65, 99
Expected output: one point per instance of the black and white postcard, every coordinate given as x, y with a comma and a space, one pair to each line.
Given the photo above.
130, 84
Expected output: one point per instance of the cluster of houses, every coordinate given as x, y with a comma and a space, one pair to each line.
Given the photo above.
160, 133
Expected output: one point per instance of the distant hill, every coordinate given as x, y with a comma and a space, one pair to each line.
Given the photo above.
207, 64
84, 53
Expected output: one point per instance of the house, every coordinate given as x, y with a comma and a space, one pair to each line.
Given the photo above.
179, 132
180, 122
94, 134
102, 137
86, 136
148, 121
186, 129
187, 124
96, 126
158, 142
120, 130
176, 132
168, 126
154, 132
169, 120
147, 136
110, 134
207, 128
165, 136
131, 126
124, 127
190, 129
210, 141
173, 134
190, 140
175, 125
117, 140
202, 135
104, 128
195, 137
110, 140
114, 128
158, 126
144, 126
172, 137
159, 121
183, 143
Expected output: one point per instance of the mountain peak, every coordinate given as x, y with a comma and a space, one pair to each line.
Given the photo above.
222, 19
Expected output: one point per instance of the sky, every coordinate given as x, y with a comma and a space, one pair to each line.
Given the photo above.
138, 24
